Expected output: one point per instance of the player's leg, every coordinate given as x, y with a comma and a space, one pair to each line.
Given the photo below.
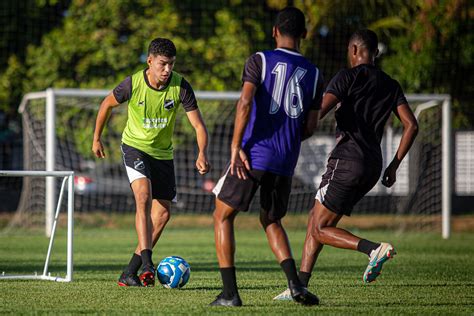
311, 250
163, 184
274, 196
232, 195
163, 191
142, 194
337, 237
224, 237
276, 236
138, 167
325, 232
160, 215
349, 181
143, 224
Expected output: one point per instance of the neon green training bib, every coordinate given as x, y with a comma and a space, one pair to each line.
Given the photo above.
152, 116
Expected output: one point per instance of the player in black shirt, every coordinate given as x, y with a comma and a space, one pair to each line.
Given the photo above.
364, 97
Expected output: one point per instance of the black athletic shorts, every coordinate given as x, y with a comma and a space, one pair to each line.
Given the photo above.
160, 172
238, 193
345, 183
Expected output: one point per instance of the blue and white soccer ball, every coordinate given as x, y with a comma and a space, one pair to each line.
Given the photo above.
173, 272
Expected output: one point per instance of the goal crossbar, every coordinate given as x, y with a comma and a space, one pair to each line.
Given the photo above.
428, 100
68, 178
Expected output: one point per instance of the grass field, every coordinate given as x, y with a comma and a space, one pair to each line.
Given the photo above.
428, 276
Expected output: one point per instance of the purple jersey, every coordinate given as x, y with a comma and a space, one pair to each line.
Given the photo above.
288, 87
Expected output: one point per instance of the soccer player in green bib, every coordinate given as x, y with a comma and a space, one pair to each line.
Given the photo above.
153, 96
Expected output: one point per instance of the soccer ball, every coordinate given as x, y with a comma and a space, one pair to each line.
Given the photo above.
173, 272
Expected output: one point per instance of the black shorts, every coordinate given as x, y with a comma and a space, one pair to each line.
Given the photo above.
238, 193
160, 172
345, 183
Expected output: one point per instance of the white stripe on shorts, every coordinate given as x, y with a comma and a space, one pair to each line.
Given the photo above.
220, 183
133, 174
321, 194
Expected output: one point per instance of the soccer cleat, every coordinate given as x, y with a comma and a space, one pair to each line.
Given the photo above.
284, 296
148, 275
222, 301
301, 295
376, 260
129, 279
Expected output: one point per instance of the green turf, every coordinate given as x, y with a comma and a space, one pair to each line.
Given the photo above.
428, 276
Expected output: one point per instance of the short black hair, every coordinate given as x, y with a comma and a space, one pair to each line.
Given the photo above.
163, 47
290, 21
367, 38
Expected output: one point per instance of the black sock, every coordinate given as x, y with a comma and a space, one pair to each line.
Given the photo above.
229, 282
304, 278
366, 246
289, 267
134, 265
146, 257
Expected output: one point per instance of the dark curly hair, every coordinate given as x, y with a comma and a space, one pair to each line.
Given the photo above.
366, 38
163, 47
290, 21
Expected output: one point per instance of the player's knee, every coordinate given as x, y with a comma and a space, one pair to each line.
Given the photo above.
221, 216
164, 216
266, 221
317, 232
218, 216
142, 198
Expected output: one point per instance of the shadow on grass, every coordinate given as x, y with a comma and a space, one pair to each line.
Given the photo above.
269, 266
196, 266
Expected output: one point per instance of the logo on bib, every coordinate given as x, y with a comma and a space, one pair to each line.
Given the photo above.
169, 104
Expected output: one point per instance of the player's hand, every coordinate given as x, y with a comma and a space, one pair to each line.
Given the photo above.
239, 163
202, 164
389, 176
98, 149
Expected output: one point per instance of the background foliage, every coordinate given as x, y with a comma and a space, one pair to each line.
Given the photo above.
427, 45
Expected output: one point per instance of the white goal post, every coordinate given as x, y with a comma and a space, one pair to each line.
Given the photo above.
446, 152
435, 107
68, 177
50, 152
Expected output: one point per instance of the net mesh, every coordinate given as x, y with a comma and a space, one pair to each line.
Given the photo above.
102, 185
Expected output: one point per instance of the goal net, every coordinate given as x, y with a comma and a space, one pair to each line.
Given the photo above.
14, 237
417, 200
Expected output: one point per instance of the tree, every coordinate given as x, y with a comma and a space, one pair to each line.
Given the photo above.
434, 53
101, 42
23, 24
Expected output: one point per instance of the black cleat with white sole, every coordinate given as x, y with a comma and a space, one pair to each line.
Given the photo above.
301, 295
222, 301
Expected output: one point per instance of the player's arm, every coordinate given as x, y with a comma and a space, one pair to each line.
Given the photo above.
251, 79
312, 118
336, 91
188, 100
329, 102
202, 138
238, 159
102, 117
410, 130
120, 94
311, 124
